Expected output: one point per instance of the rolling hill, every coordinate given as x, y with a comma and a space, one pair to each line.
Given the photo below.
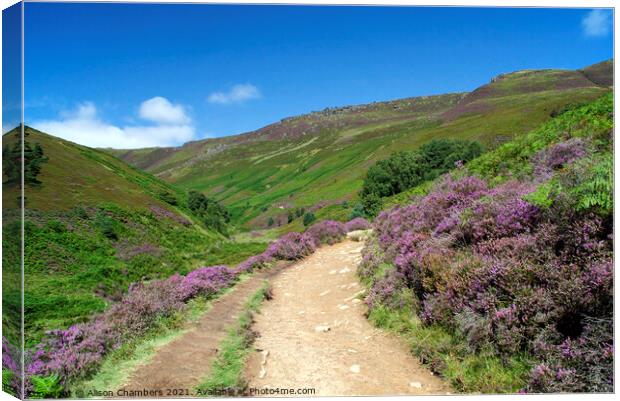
318, 160
94, 224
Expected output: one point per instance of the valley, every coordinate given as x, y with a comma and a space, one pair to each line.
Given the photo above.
317, 161
463, 276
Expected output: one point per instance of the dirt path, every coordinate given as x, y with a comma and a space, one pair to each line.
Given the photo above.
313, 334
182, 363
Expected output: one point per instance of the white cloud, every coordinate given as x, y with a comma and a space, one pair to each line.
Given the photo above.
161, 111
596, 23
237, 94
84, 126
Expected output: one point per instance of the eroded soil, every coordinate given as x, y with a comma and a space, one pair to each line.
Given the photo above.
313, 334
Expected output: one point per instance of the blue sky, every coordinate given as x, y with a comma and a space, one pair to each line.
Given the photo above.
11, 67
139, 75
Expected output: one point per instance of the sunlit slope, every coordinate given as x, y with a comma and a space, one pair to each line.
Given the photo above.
93, 225
320, 159
76, 175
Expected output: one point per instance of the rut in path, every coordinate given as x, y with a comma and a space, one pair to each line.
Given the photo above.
313, 334
184, 362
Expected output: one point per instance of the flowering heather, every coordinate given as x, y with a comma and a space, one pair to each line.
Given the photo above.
252, 263
72, 353
206, 281
557, 156
10, 358
357, 223
327, 232
78, 351
578, 365
291, 246
126, 253
161, 213
484, 262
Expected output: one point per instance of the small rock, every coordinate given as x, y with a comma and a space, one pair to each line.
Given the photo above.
301, 312
343, 307
415, 384
345, 270
322, 329
324, 293
356, 301
264, 353
333, 271
355, 368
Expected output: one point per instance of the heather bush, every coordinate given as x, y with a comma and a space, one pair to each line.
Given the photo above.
71, 353
11, 370
548, 160
252, 263
206, 281
504, 275
593, 121
389, 290
66, 355
358, 223
372, 257
577, 365
291, 246
327, 232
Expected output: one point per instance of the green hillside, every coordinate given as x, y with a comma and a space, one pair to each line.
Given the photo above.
317, 161
94, 225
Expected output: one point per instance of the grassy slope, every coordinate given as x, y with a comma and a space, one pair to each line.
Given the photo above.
445, 351
320, 159
85, 193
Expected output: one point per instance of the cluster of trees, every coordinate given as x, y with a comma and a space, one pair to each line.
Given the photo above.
406, 169
212, 213
294, 213
308, 218
12, 162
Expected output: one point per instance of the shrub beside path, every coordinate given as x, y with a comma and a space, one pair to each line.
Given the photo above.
184, 362
313, 334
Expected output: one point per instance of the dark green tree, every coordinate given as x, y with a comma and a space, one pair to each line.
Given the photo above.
358, 211
407, 169
12, 163
33, 159
212, 213
309, 218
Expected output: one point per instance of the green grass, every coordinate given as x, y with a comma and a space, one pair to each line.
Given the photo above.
95, 225
466, 371
69, 250
118, 365
227, 369
260, 178
441, 348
